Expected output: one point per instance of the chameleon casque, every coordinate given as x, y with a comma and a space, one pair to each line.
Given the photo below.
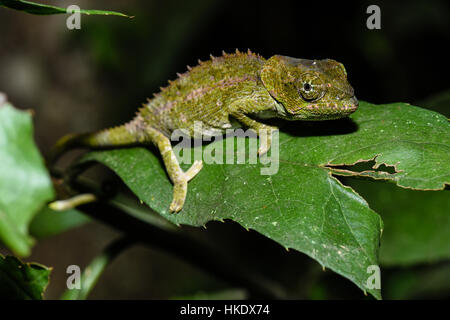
239, 87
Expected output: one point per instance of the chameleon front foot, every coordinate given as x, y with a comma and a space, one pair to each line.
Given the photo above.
180, 186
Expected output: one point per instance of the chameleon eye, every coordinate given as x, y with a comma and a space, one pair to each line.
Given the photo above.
310, 87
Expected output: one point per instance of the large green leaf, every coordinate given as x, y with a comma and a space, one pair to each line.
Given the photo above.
43, 9
22, 281
303, 206
25, 184
417, 223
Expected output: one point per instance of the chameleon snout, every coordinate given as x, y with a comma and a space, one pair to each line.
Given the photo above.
354, 103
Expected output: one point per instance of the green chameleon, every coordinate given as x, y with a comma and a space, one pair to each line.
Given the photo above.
234, 88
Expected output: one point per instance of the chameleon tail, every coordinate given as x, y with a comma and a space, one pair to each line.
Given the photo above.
125, 135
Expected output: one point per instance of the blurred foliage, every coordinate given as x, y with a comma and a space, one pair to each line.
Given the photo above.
49, 223
421, 282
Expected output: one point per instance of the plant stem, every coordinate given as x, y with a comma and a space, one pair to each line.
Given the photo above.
92, 272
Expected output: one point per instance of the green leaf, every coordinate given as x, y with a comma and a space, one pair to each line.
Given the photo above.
417, 223
43, 9
25, 184
48, 222
22, 281
303, 206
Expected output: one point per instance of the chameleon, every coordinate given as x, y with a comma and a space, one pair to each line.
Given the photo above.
239, 89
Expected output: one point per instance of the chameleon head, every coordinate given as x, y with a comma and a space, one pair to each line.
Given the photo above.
309, 89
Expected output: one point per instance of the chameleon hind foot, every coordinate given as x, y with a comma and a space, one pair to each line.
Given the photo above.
180, 186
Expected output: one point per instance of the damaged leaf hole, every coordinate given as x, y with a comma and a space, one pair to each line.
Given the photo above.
363, 168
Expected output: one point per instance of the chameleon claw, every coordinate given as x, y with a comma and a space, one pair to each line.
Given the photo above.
176, 206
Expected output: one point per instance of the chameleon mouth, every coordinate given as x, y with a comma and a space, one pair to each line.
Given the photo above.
319, 111
330, 111
331, 108
335, 108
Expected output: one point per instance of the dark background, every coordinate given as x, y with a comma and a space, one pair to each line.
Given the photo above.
96, 77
